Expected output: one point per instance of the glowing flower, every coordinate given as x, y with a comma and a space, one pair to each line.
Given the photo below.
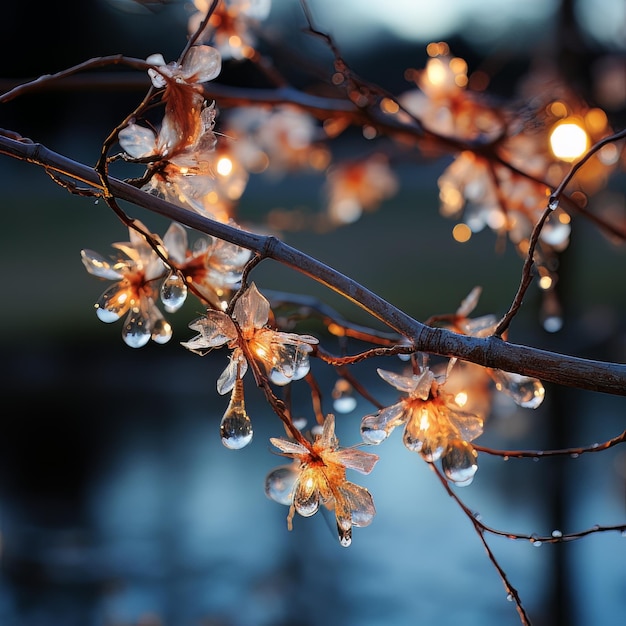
181, 170
525, 391
213, 266
358, 187
443, 103
229, 25
137, 271
279, 140
318, 477
200, 65
435, 424
285, 356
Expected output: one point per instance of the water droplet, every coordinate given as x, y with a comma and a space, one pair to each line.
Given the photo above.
299, 422
536, 542
173, 292
236, 426
553, 203
136, 333
345, 536
557, 534
161, 331
553, 323
623, 533
509, 597
459, 463
346, 404
280, 483
343, 400
306, 499
574, 455
505, 457
113, 303
525, 391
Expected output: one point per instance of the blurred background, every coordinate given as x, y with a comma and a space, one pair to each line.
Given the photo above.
119, 506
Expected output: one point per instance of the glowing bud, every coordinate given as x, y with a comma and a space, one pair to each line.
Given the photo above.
236, 426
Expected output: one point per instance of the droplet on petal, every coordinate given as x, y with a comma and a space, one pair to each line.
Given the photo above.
306, 499
136, 332
459, 463
280, 483
161, 331
525, 391
236, 426
113, 303
370, 432
173, 292
345, 536
432, 450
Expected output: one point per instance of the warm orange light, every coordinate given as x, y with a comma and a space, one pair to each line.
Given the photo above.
224, 166
461, 233
436, 72
569, 140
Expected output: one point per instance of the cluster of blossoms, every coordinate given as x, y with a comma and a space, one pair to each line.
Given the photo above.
442, 408
229, 27
508, 193
142, 280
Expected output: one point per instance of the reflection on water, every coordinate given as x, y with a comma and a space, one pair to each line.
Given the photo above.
120, 506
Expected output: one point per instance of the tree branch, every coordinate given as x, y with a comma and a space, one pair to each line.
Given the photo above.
490, 352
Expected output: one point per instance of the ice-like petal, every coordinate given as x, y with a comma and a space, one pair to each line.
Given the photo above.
202, 63
355, 459
175, 241
137, 141
376, 427
289, 447
99, 266
468, 425
360, 503
252, 309
417, 385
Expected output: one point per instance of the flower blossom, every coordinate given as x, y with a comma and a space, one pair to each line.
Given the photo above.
181, 171
358, 187
137, 271
435, 423
214, 267
318, 477
525, 391
285, 356
229, 25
